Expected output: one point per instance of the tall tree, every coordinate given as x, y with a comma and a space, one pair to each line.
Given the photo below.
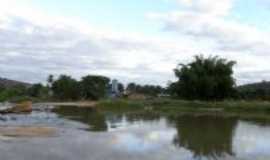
121, 87
35, 90
94, 87
205, 79
66, 88
38, 91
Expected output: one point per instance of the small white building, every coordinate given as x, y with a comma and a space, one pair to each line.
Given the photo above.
115, 86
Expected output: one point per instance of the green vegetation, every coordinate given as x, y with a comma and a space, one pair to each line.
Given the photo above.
204, 79
227, 106
93, 87
38, 91
150, 90
12, 93
66, 88
255, 91
205, 84
121, 104
88, 88
171, 106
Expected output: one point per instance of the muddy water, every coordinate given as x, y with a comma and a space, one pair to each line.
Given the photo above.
85, 134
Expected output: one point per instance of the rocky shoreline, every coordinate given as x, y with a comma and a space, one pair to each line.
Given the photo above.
23, 107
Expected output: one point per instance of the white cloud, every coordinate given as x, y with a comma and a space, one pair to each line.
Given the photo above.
210, 7
34, 44
207, 22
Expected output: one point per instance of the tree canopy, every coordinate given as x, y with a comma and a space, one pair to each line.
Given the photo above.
151, 90
65, 88
204, 79
89, 87
94, 87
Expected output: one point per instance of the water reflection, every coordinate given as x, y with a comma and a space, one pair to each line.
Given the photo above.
146, 135
95, 120
104, 121
205, 136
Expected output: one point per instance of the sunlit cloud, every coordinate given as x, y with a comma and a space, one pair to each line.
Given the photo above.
35, 43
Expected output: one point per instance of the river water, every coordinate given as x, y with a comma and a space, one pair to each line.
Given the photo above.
85, 134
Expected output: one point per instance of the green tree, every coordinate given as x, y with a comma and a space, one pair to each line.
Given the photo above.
131, 87
205, 79
121, 87
38, 91
66, 88
150, 90
35, 90
94, 87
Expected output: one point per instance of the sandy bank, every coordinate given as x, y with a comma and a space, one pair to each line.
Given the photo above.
29, 132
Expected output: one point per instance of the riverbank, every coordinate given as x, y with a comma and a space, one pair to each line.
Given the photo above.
172, 105
83, 104
175, 107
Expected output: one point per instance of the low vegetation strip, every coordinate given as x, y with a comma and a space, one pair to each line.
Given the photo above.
90, 104
168, 105
205, 84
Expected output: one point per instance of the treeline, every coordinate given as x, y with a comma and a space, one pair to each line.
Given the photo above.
66, 88
204, 78
151, 90
63, 88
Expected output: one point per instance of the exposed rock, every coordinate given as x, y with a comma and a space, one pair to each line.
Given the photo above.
29, 132
23, 107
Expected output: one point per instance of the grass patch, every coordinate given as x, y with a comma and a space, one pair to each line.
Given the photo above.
120, 105
172, 105
201, 105
153, 108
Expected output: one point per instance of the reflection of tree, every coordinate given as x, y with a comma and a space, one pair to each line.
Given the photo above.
94, 119
205, 136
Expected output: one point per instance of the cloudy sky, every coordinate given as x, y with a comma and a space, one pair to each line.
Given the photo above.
140, 41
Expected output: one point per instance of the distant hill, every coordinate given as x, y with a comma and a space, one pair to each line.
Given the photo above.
259, 90
265, 85
7, 83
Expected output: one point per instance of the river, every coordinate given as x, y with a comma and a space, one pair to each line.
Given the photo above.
87, 134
